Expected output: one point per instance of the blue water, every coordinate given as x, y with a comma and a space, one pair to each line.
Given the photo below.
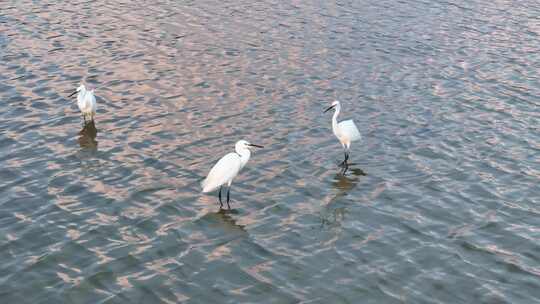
441, 204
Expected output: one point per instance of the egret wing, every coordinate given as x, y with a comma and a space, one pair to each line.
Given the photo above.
93, 103
348, 128
87, 103
222, 172
80, 102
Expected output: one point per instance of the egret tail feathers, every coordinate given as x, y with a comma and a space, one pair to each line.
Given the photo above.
209, 186
206, 187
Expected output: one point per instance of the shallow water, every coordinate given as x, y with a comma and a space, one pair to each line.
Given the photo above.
442, 203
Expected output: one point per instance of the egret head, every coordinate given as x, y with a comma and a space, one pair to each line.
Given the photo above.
333, 105
81, 87
242, 144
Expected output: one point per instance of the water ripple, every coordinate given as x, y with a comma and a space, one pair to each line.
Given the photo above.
439, 206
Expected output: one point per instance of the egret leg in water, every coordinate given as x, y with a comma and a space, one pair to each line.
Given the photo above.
344, 163
226, 169
220, 202
346, 154
345, 131
228, 197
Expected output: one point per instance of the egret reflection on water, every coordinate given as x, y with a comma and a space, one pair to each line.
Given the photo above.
346, 183
333, 213
86, 102
87, 136
226, 169
345, 131
225, 220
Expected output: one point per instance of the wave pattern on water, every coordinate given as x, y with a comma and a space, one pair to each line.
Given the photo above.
441, 205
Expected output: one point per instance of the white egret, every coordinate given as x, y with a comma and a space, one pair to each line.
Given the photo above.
226, 169
86, 102
345, 131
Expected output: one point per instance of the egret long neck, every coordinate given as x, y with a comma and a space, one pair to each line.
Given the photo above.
245, 154
334, 119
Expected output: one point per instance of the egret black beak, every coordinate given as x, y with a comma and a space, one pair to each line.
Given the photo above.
256, 146
72, 94
330, 108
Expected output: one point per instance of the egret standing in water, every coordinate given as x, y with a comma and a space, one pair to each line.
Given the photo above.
86, 102
226, 169
345, 131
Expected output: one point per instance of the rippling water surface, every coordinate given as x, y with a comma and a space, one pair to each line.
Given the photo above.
442, 204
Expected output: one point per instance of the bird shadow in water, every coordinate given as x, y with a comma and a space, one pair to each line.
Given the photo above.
87, 137
224, 219
228, 211
346, 182
347, 175
332, 215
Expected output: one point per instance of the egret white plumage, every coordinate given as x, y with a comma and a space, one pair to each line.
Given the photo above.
345, 131
86, 102
226, 169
